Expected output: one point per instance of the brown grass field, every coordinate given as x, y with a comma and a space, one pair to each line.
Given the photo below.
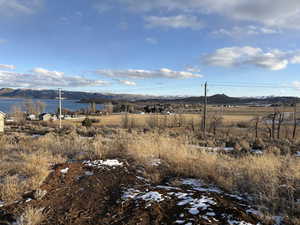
141, 119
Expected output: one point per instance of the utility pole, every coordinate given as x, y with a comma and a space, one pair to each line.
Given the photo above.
205, 109
59, 93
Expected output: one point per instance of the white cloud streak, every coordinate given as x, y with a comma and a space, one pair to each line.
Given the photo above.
127, 82
14, 7
238, 56
40, 77
274, 13
9, 67
143, 74
238, 32
176, 22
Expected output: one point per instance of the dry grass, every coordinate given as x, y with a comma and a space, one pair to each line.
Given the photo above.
271, 179
31, 216
143, 120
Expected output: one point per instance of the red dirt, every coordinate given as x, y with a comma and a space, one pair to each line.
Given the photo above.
119, 195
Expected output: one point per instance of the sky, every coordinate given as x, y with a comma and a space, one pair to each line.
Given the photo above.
152, 47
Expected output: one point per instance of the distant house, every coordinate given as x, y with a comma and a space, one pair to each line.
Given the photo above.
2, 117
45, 117
31, 117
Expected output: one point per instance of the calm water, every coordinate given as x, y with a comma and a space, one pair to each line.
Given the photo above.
51, 105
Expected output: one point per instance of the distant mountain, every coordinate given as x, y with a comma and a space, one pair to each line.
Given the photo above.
74, 95
144, 99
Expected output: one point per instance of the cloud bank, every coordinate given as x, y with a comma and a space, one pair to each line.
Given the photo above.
40, 77
143, 74
273, 59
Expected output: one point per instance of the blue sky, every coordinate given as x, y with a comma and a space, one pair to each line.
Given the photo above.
161, 47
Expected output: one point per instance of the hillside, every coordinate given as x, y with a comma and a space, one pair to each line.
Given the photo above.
143, 99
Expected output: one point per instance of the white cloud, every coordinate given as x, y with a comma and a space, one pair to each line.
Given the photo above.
10, 67
40, 77
296, 85
13, 7
192, 69
162, 73
151, 40
237, 32
127, 82
237, 56
177, 22
274, 13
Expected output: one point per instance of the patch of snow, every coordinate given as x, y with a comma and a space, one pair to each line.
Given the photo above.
198, 185
151, 196
28, 200
1, 203
254, 212
155, 162
180, 221
257, 151
210, 214
235, 196
206, 218
235, 222
130, 193
210, 189
297, 154
278, 219
167, 187
100, 163
64, 171
192, 182
88, 173
196, 204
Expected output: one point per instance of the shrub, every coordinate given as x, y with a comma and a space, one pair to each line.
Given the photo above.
87, 122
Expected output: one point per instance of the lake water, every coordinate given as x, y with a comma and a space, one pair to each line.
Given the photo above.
51, 104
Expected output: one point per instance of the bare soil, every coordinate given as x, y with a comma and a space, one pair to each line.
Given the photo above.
123, 192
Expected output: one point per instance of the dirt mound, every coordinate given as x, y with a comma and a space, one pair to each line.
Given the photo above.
120, 192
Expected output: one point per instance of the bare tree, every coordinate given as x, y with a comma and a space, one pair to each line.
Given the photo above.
29, 107
295, 121
257, 120
17, 113
280, 120
109, 108
216, 120
40, 107
93, 107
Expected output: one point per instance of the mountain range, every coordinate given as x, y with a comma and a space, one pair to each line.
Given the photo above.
146, 99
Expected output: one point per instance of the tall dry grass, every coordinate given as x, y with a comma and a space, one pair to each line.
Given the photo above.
272, 180
31, 216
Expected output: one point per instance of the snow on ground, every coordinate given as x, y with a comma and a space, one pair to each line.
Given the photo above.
192, 195
198, 185
151, 196
88, 173
64, 171
257, 151
155, 162
101, 163
297, 154
235, 222
195, 205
